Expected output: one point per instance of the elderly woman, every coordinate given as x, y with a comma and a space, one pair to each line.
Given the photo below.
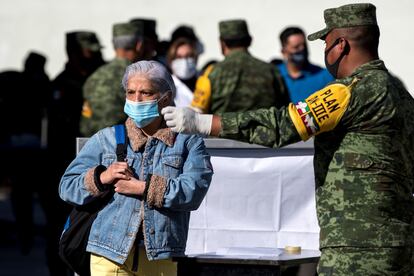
164, 177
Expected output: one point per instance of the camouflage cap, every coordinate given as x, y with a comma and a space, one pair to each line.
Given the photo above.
346, 16
149, 27
121, 29
233, 29
83, 39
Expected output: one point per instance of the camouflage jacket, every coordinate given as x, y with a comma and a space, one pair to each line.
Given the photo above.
364, 155
239, 83
104, 97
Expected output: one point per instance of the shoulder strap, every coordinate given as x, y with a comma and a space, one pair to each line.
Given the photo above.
121, 142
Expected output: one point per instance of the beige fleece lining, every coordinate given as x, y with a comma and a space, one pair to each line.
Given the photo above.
138, 139
89, 182
156, 191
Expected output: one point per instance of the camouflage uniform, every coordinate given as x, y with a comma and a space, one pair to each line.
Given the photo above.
240, 82
104, 97
364, 163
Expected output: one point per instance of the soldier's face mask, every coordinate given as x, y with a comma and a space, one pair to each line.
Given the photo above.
333, 68
143, 113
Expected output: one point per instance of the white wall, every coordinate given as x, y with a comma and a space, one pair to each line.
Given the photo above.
40, 25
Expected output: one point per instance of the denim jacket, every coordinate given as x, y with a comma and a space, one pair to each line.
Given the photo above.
179, 172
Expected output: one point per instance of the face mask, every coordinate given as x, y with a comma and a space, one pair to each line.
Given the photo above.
299, 58
333, 68
143, 113
184, 68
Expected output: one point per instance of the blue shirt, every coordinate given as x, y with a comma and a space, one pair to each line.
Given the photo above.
312, 79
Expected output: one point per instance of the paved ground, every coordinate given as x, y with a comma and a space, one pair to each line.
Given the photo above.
12, 262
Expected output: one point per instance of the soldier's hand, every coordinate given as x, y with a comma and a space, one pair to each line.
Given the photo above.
186, 120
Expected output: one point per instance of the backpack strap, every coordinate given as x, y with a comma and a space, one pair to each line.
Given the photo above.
121, 143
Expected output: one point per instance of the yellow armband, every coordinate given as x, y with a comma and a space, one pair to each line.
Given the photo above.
202, 93
321, 111
86, 109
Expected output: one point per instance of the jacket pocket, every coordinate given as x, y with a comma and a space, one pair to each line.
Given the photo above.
172, 165
357, 161
108, 159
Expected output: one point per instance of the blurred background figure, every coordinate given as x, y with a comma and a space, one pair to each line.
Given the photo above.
185, 31
104, 97
150, 38
240, 82
24, 158
162, 50
182, 62
23, 98
84, 57
64, 110
300, 76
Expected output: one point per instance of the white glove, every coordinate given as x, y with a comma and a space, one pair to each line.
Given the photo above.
186, 120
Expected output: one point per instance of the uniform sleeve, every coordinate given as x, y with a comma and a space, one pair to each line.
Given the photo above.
103, 105
77, 184
371, 106
268, 127
320, 112
187, 191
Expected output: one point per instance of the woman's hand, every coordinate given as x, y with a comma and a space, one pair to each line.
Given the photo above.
132, 186
116, 171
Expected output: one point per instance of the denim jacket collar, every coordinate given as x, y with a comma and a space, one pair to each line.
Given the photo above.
138, 139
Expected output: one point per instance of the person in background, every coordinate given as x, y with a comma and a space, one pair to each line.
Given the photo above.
103, 96
164, 177
150, 38
22, 107
184, 31
84, 57
301, 77
364, 155
64, 111
162, 50
240, 82
182, 62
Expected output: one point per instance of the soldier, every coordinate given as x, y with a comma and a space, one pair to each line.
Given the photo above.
240, 82
84, 57
64, 108
104, 97
364, 158
150, 37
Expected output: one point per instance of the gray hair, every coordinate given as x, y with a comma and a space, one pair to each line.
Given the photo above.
126, 41
155, 72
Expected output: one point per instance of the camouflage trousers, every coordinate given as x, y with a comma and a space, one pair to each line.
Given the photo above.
366, 261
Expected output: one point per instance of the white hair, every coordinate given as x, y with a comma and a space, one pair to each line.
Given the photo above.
155, 72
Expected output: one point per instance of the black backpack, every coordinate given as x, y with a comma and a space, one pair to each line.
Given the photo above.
74, 239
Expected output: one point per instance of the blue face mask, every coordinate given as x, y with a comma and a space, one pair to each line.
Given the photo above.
143, 113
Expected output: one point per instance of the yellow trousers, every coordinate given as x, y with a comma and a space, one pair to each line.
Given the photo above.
101, 266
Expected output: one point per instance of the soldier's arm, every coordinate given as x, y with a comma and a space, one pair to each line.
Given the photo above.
320, 112
268, 127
